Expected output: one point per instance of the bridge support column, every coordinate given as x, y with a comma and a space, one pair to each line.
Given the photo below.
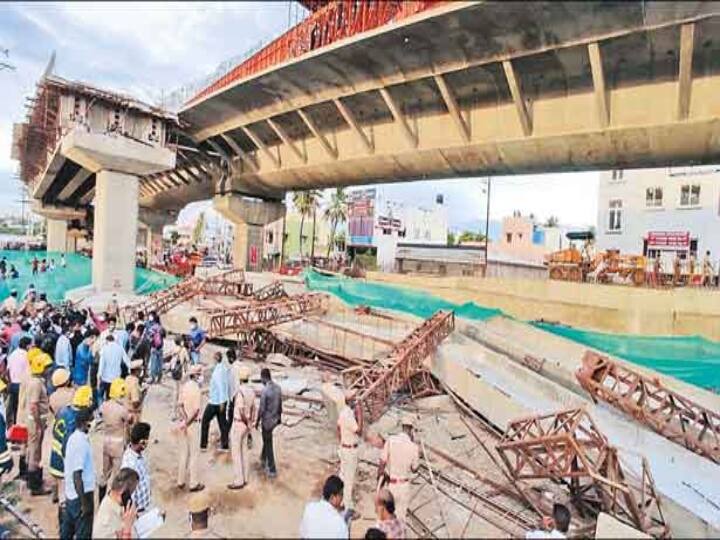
117, 162
115, 235
57, 237
249, 217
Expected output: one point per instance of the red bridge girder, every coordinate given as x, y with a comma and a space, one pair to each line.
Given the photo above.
567, 446
375, 384
670, 414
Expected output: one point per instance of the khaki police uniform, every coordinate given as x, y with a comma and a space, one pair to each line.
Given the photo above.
348, 452
189, 402
401, 456
244, 404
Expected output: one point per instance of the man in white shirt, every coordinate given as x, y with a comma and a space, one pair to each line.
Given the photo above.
322, 519
19, 374
77, 518
10, 303
553, 527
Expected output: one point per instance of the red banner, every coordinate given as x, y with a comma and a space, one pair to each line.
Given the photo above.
668, 239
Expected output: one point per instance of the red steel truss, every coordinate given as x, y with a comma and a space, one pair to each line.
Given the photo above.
568, 447
377, 383
271, 291
329, 23
250, 317
163, 301
670, 414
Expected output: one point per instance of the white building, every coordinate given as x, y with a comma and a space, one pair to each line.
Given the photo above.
379, 223
660, 212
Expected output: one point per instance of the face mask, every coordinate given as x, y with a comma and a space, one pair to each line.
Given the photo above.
193, 326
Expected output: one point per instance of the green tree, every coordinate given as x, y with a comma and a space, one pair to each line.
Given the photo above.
305, 203
198, 229
450, 239
335, 213
469, 236
552, 221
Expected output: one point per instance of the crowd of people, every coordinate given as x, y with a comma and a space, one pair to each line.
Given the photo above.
64, 370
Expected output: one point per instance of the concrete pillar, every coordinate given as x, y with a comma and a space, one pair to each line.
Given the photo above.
117, 162
116, 214
57, 237
249, 217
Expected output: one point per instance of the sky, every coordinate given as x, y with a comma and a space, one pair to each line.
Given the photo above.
148, 49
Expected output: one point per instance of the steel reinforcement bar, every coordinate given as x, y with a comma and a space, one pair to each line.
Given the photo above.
647, 400
377, 383
251, 317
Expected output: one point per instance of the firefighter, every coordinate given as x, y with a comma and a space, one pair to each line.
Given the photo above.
37, 407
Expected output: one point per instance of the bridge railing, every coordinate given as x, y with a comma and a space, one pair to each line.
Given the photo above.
331, 23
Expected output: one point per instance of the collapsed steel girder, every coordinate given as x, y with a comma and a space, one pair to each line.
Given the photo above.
163, 301
216, 287
269, 292
568, 447
263, 342
250, 317
670, 414
377, 383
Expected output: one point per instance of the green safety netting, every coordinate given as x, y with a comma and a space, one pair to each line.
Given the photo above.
357, 292
78, 273
692, 359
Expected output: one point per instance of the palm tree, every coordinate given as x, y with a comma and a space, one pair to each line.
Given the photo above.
305, 202
336, 213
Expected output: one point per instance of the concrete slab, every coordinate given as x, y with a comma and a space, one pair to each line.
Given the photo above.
609, 527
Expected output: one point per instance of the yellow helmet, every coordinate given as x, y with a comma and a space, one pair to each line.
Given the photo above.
33, 352
3, 386
39, 363
82, 397
118, 389
243, 373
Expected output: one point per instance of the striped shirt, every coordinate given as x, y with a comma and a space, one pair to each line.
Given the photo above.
142, 494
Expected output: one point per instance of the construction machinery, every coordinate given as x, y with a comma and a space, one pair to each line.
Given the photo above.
609, 266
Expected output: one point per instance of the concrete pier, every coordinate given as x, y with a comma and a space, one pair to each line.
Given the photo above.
117, 162
249, 217
57, 237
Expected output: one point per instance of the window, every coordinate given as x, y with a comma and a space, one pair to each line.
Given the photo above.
654, 197
509, 238
615, 215
690, 195
617, 175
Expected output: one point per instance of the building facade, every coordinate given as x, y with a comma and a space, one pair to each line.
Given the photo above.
660, 212
377, 224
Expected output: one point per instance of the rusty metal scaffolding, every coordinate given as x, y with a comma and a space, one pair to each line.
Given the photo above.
646, 399
219, 287
163, 301
270, 291
568, 447
401, 368
246, 318
261, 342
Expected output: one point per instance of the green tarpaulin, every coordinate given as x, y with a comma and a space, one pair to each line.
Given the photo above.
78, 273
692, 359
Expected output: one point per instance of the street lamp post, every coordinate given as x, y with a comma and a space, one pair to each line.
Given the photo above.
487, 225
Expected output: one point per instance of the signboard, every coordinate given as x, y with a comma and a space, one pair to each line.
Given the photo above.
389, 223
253, 255
361, 216
660, 239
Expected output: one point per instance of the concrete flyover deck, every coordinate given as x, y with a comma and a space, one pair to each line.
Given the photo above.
465, 89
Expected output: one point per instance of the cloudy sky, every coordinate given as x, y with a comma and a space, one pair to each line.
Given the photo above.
149, 49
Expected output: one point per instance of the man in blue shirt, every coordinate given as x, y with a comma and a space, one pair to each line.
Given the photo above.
77, 518
197, 340
83, 359
218, 398
112, 357
63, 351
